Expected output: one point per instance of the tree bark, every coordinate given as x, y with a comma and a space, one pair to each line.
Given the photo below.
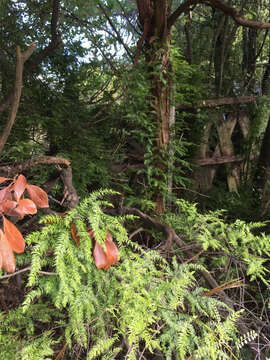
21, 58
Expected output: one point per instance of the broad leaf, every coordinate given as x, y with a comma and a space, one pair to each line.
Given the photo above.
111, 251
100, 257
26, 206
19, 187
38, 195
6, 254
9, 208
5, 194
14, 237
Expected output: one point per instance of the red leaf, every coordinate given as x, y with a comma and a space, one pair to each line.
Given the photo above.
14, 237
5, 194
9, 208
19, 187
74, 235
27, 206
99, 256
38, 195
3, 179
111, 251
6, 254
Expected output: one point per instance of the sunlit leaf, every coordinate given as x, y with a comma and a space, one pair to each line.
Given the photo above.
99, 256
5, 194
14, 237
38, 195
19, 187
6, 254
74, 235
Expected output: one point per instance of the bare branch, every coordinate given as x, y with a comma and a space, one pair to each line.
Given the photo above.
21, 58
115, 30
218, 4
55, 39
11, 170
218, 102
54, 43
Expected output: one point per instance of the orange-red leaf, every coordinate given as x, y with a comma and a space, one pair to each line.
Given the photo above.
38, 195
5, 194
14, 237
111, 253
9, 208
19, 187
27, 206
3, 179
99, 256
74, 235
6, 254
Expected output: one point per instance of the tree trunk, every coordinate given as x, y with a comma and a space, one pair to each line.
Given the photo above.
156, 39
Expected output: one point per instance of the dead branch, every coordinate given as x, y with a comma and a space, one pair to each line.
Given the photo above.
172, 236
21, 58
151, 222
11, 170
218, 102
218, 4
48, 50
220, 160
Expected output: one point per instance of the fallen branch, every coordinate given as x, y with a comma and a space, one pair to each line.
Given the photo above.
218, 102
172, 236
11, 170
220, 160
151, 222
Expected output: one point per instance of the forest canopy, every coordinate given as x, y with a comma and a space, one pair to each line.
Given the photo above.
134, 179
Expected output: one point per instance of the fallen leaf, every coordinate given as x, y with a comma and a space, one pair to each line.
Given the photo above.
27, 207
14, 237
38, 195
5, 194
19, 187
6, 254
99, 256
111, 251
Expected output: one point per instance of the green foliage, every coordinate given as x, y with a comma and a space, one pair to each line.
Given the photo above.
237, 239
143, 302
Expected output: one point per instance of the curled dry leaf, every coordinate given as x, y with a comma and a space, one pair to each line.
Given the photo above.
5, 195
9, 208
26, 206
111, 251
6, 254
100, 257
104, 260
14, 237
19, 187
38, 196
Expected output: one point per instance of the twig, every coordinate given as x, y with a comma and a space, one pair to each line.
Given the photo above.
24, 270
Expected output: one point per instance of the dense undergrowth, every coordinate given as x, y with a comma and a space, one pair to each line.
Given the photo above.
147, 306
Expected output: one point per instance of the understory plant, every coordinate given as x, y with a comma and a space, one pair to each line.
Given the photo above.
245, 242
143, 306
